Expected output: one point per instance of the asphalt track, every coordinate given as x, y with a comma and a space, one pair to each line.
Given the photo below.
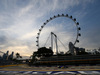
25, 69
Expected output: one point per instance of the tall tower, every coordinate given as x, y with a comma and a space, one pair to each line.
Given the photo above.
11, 56
5, 55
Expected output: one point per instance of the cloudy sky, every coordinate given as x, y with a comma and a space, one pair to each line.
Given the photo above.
20, 21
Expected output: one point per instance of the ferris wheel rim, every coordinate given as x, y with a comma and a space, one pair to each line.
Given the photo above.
57, 16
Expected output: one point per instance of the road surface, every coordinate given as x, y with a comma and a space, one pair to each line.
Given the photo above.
25, 69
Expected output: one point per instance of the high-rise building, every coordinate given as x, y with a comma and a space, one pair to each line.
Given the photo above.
5, 55
11, 56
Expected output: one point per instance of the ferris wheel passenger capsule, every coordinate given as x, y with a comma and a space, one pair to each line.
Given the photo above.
79, 28
77, 23
42, 26
58, 15
38, 33
44, 23
39, 29
79, 34
54, 16
74, 19
50, 18
37, 37
71, 17
77, 41
66, 15
47, 20
37, 45
62, 14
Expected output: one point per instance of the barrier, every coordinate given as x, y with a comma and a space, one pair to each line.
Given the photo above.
51, 72
11, 65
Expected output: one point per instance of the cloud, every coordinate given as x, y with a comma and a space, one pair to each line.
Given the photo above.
3, 40
90, 38
21, 20
29, 35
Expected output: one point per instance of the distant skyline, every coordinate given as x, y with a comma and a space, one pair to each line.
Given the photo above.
20, 21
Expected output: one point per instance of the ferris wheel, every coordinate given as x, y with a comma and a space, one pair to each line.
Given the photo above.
57, 16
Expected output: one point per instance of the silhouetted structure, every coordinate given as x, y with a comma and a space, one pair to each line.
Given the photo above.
71, 48
18, 55
5, 56
10, 57
74, 56
43, 52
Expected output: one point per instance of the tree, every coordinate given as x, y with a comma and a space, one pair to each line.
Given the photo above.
43, 51
18, 55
